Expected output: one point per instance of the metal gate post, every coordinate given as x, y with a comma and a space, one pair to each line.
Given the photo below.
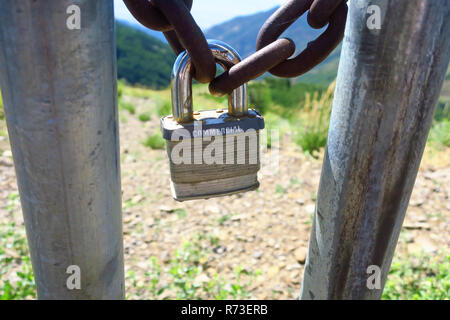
59, 87
388, 84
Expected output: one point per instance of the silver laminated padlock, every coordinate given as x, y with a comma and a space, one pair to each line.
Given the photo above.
215, 152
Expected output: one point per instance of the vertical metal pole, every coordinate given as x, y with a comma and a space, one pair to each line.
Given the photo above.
388, 84
60, 101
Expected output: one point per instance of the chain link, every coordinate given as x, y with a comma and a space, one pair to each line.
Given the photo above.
190, 36
317, 50
150, 16
173, 17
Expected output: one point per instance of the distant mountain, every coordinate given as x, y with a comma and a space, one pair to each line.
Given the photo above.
241, 33
155, 34
141, 58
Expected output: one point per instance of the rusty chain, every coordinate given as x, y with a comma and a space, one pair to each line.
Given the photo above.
173, 17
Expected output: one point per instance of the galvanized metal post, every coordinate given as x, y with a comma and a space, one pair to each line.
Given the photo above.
388, 84
58, 79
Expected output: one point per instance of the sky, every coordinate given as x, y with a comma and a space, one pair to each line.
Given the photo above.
211, 12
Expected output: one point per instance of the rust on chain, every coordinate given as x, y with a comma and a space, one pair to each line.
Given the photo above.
174, 42
316, 51
150, 16
190, 37
252, 67
320, 12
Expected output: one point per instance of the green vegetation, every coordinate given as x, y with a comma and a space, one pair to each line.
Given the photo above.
14, 251
440, 131
280, 96
155, 141
127, 106
440, 134
314, 120
190, 277
303, 109
123, 105
142, 59
419, 277
144, 117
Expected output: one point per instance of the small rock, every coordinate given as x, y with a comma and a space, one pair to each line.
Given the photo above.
310, 208
417, 226
219, 250
202, 278
212, 209
237, 217
273, 271
417, 202
166, 209
300, 201
294, 266
165, 257
257, 254
7, 153
137, 198
300, 255
5, 163
422, 219
295, 277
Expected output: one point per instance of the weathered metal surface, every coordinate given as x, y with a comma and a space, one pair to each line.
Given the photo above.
388, 84
60, 96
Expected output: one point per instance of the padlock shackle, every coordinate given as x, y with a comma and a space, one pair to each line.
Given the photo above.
182, 107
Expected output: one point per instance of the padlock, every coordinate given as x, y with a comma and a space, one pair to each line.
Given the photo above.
212, 153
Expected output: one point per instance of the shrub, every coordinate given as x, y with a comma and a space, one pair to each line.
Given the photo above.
440, 134
164, 108
314, 120
127, 106
144, 117
155, 141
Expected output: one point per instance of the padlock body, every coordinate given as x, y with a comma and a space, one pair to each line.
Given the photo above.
214, 155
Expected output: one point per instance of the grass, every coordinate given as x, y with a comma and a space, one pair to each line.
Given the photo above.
440, 134
188, 278
419, 277
17, 282
145, 117
126, 106
155, 141
314, 119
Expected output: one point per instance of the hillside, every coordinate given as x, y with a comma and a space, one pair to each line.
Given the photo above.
142, 59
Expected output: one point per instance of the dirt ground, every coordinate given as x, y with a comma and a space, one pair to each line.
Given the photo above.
266, 230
